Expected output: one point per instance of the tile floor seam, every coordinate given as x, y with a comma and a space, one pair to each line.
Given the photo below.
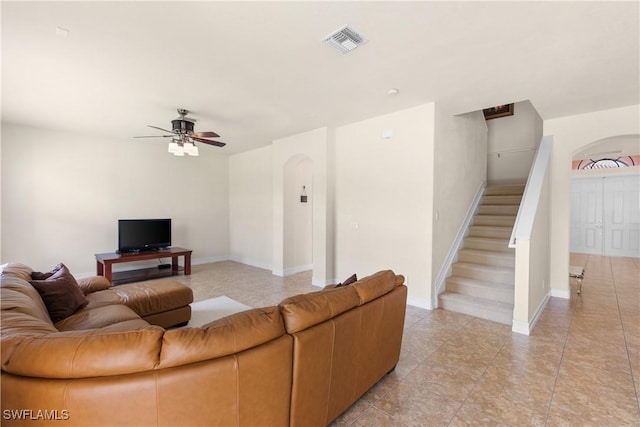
555, 381
624, 334
474, 387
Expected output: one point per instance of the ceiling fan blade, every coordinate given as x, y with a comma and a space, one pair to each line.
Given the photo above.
154, 136
205, 135
206, 141
163, 130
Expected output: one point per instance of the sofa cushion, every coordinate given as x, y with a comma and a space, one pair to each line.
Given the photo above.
378, 284
60, 293
17, 270
145, 298
305, 310
83, 354
98, 317
19, 298
350, 280
92, 284
229, 335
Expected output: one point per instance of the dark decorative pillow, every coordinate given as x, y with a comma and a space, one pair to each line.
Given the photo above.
37, 275
351, 279
60, 292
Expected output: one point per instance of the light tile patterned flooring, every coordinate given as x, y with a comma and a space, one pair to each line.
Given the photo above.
579, 367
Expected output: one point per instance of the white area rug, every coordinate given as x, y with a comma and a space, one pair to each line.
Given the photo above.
208, 310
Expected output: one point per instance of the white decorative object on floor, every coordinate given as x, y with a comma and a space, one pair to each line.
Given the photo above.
206, 311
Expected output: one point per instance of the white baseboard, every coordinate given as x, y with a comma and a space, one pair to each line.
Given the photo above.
317, 281
425, 303
520, 327
209, 260
298, 269
250, 262
445, 269
525, 328
561, 293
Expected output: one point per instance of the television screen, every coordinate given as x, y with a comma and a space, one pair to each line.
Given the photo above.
143, 234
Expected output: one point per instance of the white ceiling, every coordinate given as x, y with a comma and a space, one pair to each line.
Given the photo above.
257, 71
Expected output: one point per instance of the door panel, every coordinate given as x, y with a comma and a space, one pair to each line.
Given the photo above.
586, 224
621, 215
605, 215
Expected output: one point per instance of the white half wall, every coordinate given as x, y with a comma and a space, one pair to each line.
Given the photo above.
570, 135
63, 192
384, 198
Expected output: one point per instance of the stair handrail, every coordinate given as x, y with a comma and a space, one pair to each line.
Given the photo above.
532, 190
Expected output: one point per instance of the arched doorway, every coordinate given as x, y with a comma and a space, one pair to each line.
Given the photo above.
604, 198
297, 215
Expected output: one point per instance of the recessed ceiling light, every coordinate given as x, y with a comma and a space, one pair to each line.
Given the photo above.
393, 91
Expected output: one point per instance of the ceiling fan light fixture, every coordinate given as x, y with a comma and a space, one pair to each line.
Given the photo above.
173, 147
190, 149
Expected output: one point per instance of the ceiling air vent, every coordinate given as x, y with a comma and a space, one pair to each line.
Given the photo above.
345, 39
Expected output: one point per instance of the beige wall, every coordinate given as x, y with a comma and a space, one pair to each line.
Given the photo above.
251, 207
522, 131
459, 173
570, 135
384, 198
62, 194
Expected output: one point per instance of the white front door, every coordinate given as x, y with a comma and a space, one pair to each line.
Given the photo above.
586, 215
622, 216
605, 215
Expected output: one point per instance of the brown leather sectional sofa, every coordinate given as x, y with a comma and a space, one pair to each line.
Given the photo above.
301, 363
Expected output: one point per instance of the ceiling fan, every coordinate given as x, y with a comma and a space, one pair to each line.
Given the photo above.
183, 138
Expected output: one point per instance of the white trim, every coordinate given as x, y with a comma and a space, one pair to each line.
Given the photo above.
445, 269
520, 327
209, 260
298, 269
321, 283
420, 302
525, 328
561, 293
249, 262
529, 204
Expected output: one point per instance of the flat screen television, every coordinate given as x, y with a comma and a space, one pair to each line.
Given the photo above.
136, 235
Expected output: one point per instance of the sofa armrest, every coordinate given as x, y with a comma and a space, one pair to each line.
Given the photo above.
93, 284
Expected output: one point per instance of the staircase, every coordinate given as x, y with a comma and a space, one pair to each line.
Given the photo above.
482, 280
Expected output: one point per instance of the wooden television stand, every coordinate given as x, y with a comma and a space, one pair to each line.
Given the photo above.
104, 263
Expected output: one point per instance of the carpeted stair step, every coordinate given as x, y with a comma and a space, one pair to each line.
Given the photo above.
510, 189
487, 244
478, 288
490, 231
495, 311
495, 220
486, 273
484, 257
512, 199
498, 210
